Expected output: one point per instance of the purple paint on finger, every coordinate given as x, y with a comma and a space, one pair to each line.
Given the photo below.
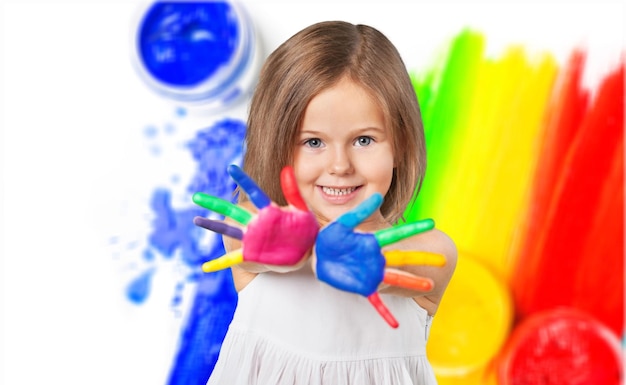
219, 227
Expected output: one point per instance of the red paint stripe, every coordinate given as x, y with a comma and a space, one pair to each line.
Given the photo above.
575, 206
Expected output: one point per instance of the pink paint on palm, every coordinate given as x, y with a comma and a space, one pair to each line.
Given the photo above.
279, 236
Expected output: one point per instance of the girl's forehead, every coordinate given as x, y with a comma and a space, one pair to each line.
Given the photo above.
343, 98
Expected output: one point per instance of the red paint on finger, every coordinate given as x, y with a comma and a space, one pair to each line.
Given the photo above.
382, 310
290, 189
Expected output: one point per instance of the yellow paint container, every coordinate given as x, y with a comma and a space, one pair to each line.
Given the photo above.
472, 323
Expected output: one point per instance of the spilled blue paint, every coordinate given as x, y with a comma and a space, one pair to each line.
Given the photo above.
139, 288
173, 236
212, 310
173, 230
215, 299
213, 150
148, 255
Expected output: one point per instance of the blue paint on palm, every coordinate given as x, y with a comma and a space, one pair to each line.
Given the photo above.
349, 261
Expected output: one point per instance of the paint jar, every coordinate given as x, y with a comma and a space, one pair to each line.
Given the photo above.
561, 346
472, 323
198, 54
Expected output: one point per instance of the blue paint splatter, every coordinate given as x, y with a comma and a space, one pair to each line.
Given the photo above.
174, 236
215, 299
214, 150
148, 256
181, 112
139, 289
212, 310
174, 229
150, 131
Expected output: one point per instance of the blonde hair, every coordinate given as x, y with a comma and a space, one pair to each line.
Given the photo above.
313, 60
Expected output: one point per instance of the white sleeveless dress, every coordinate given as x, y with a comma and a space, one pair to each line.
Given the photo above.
294, 329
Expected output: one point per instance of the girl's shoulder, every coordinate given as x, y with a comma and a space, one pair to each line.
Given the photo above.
434, 241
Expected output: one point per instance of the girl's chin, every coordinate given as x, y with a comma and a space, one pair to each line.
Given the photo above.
328, 215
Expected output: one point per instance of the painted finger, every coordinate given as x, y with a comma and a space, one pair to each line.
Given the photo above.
397, 233
410, 257
256, 195
380, 307
223, 207
224, 262
408, 281
290, 189
219, 227
360, 213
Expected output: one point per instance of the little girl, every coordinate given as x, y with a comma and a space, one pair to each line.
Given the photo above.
334, 104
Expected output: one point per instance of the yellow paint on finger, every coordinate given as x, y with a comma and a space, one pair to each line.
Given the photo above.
224, 262
409, 257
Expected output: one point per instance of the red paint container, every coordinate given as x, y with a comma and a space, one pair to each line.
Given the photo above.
562, 346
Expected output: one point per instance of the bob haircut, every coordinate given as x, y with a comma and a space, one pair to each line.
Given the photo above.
311, 61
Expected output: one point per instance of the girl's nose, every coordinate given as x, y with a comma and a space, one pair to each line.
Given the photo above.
340, 163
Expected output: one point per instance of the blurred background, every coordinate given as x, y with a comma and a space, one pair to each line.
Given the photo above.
115, 113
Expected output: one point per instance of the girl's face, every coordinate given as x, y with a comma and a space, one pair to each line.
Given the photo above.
344, 151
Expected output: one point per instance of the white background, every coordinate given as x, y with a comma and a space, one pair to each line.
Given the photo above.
76, 168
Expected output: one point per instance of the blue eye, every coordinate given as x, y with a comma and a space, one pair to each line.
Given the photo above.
313, 142
363, 141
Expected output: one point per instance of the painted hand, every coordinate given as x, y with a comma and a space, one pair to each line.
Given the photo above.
354, 262
279, 236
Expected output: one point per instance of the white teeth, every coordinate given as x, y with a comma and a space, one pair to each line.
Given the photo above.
338, 191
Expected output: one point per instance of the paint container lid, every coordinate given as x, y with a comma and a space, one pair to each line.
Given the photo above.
561, 346
472, 322
198, 54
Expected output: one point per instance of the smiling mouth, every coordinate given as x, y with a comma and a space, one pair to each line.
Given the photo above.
338, 191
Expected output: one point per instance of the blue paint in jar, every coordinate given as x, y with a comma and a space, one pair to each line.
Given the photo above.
197, 53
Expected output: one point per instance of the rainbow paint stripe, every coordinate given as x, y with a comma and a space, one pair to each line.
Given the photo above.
482, 118
526, 174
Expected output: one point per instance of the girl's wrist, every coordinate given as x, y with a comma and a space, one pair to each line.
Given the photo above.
254, 267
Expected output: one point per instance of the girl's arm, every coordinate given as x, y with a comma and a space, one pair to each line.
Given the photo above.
259, 235
349, 254
245, 272
434, 241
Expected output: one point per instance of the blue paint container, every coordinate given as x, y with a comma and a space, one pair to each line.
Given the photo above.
197, 53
